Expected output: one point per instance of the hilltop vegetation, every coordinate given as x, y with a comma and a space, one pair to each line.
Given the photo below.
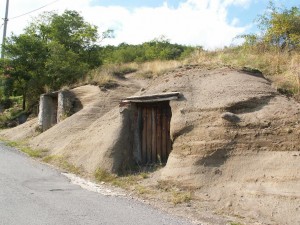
58, 50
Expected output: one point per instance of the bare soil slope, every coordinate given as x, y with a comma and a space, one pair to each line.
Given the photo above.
235, 140
21, 132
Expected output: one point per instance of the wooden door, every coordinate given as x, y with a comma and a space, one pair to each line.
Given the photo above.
154, 135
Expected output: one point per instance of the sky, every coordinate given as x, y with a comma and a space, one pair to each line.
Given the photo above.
211, 24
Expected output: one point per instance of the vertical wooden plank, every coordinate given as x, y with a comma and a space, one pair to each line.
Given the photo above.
169, 142
164, 134
138, 137
144, 135
149, 134
158, 133
153, 145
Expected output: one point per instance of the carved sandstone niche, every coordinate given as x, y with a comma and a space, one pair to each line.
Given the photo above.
55, 107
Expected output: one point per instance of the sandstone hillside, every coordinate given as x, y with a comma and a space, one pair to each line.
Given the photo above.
235, 139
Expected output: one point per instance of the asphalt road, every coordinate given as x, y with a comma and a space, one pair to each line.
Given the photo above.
35, 194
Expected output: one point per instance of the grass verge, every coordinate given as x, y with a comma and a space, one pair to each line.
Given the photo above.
61, 162
23, 147
56, 160
135, 183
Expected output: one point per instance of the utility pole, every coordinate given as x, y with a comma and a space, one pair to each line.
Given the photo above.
5, 28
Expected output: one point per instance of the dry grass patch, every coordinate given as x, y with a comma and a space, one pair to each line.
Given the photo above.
107, 75
282, 68
234, 223
128, 182
125, 182
174, 193
62, 163
157, 68
142, 190
104, 176
179, 197
100, 77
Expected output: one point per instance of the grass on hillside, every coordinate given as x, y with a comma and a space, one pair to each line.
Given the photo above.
107, 75
157, 68
282, 68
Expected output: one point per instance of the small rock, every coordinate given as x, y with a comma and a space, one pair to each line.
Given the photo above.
217, 171
228, 204
231, 117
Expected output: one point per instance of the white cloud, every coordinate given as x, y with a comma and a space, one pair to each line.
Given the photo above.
244, 3
194, 22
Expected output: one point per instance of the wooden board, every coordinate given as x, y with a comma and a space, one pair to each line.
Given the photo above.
164, 136
158, 134
169, 141
154, 136
149, 134
144, 136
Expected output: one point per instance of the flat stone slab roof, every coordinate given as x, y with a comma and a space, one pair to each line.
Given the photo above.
167, 96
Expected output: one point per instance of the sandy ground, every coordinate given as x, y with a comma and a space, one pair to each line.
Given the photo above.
235, 142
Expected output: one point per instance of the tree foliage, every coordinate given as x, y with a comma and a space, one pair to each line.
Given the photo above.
57, 50
281, 27
54, 50
157, 49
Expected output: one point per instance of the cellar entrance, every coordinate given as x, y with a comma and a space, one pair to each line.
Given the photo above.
154, 131
150, 126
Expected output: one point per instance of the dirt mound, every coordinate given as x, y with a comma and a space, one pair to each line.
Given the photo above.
21, 132
96, 102
235, 139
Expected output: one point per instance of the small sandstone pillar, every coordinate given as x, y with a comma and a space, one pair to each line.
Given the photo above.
65, 105
55, 107
47, 112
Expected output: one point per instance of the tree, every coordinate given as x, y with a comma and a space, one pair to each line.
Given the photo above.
281, 27
55, 50
27, 56
63, 66
157, 49
71, 31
